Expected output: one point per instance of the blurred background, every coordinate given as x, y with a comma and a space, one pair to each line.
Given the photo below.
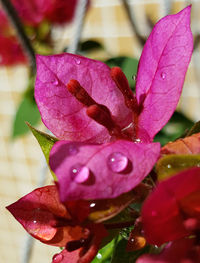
113, 31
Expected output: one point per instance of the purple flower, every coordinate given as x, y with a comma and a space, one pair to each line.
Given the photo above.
108, 130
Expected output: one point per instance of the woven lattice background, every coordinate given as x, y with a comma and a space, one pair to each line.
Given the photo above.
20, 160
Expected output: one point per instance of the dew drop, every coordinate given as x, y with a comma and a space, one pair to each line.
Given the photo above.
36, 215
132, 240
134, 77
57, 258
78, 62
55, 82
163, 75
137, 140
92, 205
169, 166
72, 149
99, 256
117, 162
143, 136
80, 173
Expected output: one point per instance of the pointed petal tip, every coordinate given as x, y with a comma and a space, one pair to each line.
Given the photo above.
186, 11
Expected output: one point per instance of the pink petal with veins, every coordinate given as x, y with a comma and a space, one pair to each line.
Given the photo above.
39, 210
61, 112
107, 170
162, 68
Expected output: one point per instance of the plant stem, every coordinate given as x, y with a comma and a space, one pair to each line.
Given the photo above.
141, 39
79, 22
26, 44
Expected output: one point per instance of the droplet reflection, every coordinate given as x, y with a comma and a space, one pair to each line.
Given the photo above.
57, 258
163, 75
117, 162
80, 173
78, 62
72, 149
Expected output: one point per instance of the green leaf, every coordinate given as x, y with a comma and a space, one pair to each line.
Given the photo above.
27, 111
171, 164
121, 255
104, 255
45, 141
174, 129
127, 64
195, 129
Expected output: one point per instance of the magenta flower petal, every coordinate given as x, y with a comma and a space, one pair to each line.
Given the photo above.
162, 212
162, 68
38, 212
61, 11
87, 171
10, 50
182, 250
61, 112
65, 257
33, 12
31, 212
4, 24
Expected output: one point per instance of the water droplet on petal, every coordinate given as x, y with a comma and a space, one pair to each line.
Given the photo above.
78, 62
55, 82
169, 166
134, 77
37, 212
132, 240
80, 173
99, 256
72, 149
57, 258
143, 136
92, 205
117, 162
137, 140
163, 75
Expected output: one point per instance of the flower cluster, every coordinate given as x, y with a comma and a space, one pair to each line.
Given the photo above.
35, 11
105, 149
172, 213
32, 13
